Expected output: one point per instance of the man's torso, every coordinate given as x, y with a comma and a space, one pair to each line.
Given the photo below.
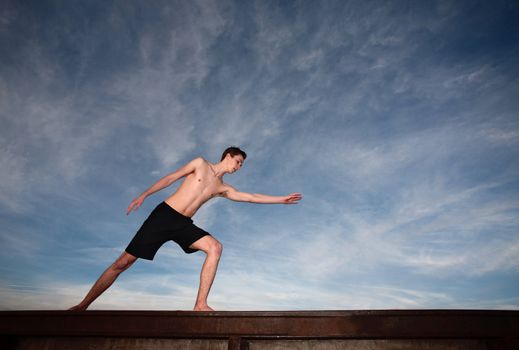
196, 189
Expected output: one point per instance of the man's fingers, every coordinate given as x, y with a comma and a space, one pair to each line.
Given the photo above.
133, 206
295, 197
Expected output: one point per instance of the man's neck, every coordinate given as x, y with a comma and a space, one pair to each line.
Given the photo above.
218, 169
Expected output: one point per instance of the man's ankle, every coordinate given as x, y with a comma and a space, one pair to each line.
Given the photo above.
202, 307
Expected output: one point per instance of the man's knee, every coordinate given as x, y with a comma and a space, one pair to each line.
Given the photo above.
215, 248
208, 245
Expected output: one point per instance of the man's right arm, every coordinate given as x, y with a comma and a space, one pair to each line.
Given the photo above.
232, 194
165, 182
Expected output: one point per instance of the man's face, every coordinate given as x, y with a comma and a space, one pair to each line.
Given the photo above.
235, 163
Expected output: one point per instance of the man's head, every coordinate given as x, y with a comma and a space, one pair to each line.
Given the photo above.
234, 157
233, 151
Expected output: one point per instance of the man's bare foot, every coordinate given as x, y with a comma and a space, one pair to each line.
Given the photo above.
78, 307
202, 308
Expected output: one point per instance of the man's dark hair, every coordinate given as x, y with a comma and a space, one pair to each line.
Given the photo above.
233, 151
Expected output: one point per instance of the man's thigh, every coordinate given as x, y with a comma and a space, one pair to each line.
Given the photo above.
205, 243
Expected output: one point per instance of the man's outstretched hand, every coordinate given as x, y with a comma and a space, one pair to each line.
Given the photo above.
135, 204
293, 198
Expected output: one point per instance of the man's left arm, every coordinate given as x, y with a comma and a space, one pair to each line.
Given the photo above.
235, 195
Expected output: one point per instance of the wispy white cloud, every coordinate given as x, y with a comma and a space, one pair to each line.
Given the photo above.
232, 291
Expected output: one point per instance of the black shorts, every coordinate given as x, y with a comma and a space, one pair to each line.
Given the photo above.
164, 224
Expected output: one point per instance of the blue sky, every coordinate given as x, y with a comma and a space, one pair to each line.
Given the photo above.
398, 121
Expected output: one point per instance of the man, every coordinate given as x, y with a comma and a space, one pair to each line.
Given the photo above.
171, 220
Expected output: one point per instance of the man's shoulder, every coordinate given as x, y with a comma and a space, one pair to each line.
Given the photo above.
199, 161
201, 164
226, 186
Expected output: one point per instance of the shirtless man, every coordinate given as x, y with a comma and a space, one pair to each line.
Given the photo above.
171, 220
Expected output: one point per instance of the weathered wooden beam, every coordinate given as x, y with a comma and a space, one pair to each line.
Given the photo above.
238, 328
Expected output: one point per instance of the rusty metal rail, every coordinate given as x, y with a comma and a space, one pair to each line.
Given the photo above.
493, 329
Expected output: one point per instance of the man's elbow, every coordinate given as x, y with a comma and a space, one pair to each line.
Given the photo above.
171, 178
253, 198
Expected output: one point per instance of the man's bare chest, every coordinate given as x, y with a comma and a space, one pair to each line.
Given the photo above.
207, 184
